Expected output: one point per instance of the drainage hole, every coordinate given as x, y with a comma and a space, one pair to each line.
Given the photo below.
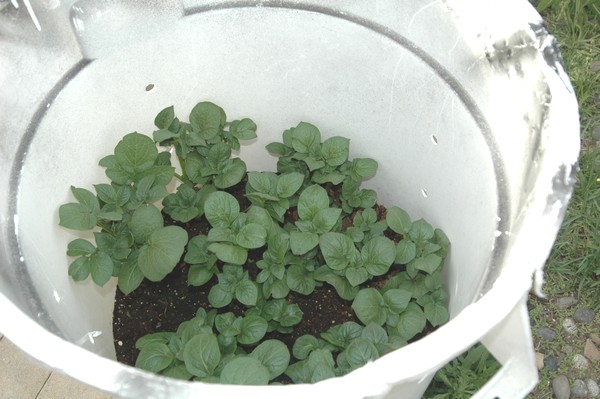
434, 139
150, 87
424, 192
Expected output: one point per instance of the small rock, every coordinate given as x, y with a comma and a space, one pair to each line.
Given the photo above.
591, 351
560, 387
580, 362
566, 302
579, 389
569, 326
567, 349
596, 132
595, 67
546, 333
595, 338
584, 315
551, 362
593, 388
539, 360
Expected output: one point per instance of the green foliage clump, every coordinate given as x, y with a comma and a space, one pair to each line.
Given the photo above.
313, 222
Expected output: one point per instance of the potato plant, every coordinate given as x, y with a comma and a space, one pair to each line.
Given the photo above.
312, 222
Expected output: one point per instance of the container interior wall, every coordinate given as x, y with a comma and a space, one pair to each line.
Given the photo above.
278, 66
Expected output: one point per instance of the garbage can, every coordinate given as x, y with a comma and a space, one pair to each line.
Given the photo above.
465, 105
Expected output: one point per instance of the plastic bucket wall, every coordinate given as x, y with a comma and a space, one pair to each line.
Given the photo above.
465, 105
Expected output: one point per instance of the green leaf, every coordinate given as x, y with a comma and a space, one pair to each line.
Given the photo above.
177, 371
201, 354
359, 352
428, 263
101, 267
164, 118
411, 322
312, 200
245, 371
335, 150
163, 134
232, 173
197, 250
161, 337
322, 177
221, 209
398, 220
442, 240
136, 152
343, 288
218, 154
436, 313
251, 236
375, 334
228, 324
420, 231
288, 184
207, 119
162, 252
80, 268
274, 355
154, 357
77, 217
229, 253
397, 299
299, 280
80, 247
279, 149
221, 234
363, 168
197, 169
130, 275
356, 275
369, 306
326, 219
378, 255
262, 181
337, 250
244, 129
219, 297
200, 274
253, 329
246, 292
305, 137
304, 345
291, 315
406, 250
342, 334
302, 242
144, 221
355, 234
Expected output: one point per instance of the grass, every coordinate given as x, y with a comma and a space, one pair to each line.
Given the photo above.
573, 267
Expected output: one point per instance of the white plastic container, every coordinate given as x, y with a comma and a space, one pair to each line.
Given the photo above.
465, 104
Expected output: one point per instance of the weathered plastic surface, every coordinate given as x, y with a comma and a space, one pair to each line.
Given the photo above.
465, 104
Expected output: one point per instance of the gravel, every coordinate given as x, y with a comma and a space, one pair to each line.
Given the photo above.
580, 362
584, 315
579, 389
566, 302
591, 351
546, 333
593, 388
551, 362
569, 326
560, 387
